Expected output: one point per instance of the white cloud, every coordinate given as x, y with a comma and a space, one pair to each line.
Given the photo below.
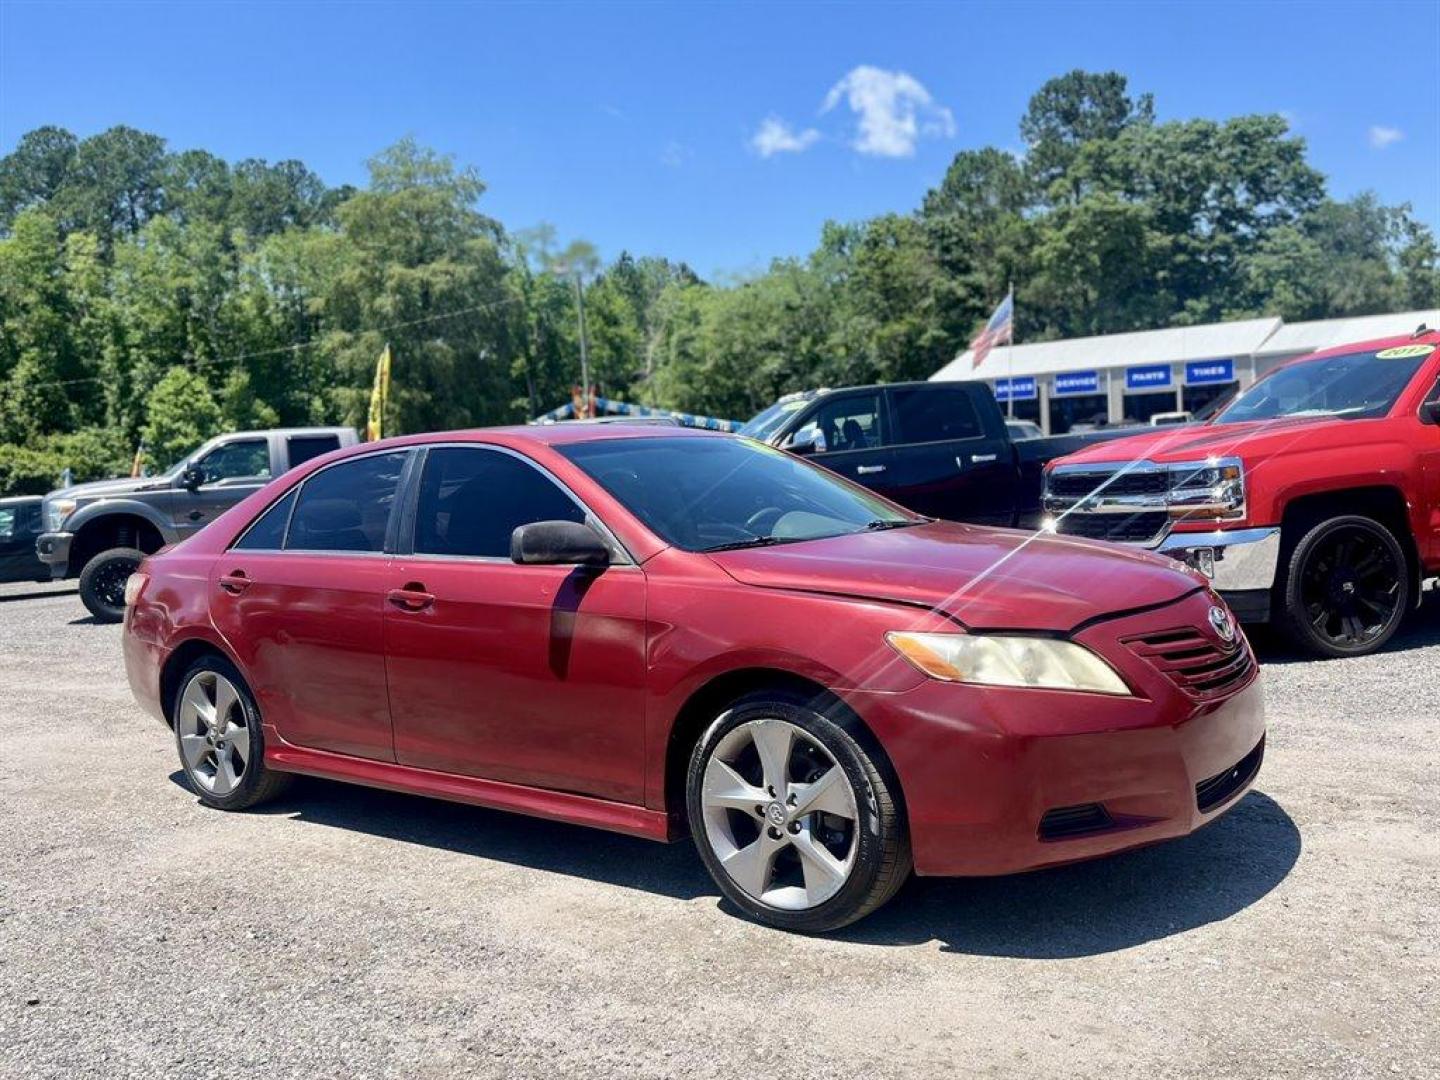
777, 137
895, 111
1381, 137
675, 154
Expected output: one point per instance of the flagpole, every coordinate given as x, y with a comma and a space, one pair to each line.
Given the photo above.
1010, 354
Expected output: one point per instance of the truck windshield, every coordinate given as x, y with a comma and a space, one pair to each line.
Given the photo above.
1353, 386
765, 423
713, 493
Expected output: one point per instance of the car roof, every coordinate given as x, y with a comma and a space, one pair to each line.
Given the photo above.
554, 434
20, 500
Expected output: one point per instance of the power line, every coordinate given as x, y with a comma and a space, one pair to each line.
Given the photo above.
297, 346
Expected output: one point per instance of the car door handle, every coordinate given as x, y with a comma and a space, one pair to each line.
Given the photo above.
195, 515
866, 470
412, 597
976, 459
235, 582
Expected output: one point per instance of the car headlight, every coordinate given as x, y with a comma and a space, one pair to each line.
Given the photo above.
1001, 660
1211, 488
56, 511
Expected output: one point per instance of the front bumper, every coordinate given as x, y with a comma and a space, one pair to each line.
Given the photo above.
982, 769
53, 549
1235, 560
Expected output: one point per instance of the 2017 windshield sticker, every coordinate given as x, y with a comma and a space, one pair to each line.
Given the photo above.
1404, 352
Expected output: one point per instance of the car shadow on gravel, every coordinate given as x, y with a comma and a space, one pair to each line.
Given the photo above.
1101, 906
1421, 629
672, 870
1070, 911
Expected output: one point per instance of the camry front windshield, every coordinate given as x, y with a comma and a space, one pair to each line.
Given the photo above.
1354, 386
713, 493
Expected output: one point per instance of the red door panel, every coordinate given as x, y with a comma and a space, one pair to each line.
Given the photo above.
309, 633
525, 674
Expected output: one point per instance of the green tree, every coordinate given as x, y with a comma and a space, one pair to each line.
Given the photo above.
181, 413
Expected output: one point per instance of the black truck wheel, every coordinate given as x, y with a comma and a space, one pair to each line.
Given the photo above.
102, 582
1347, 587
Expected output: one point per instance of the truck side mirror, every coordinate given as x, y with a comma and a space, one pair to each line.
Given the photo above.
805, 442
1430, 412
192, 478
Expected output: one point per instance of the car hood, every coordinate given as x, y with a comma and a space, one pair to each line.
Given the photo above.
1254, 439
985, 578
108, 489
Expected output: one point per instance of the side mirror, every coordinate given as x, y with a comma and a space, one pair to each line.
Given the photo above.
558, 543
1430, 412
192, 478
805, 442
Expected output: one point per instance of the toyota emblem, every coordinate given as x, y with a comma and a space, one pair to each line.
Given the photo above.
1224, 625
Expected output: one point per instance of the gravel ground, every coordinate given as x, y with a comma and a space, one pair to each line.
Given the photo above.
348, 932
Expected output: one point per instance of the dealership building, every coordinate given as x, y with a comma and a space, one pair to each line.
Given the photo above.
1128, 378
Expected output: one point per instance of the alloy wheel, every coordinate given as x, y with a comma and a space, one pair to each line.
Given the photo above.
780, 814
214, 737
110, 581
1350, 587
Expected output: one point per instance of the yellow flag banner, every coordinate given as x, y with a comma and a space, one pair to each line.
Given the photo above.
379, 398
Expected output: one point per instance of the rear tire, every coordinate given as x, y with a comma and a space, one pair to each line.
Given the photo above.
220, 739
1347, 587
799, 824
102, 582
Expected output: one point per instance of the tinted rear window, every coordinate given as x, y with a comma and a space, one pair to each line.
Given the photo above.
268, 531
347, 507
304, 447
934, 415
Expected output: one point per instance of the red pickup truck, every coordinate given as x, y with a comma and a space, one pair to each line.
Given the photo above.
1312, 500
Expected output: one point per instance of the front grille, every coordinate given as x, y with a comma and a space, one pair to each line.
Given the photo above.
1222, 787
1137, 528
1195, 663
1065, 822
1079, 485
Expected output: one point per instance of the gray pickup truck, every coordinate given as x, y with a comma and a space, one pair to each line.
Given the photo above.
100, 531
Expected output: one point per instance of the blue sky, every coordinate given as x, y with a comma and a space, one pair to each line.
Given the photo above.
645, 126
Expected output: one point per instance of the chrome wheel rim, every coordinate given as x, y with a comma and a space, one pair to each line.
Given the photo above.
780, 815
214, 739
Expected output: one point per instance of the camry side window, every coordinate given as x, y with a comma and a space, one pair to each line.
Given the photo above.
472, 499
267, 533
347, 506
246, 458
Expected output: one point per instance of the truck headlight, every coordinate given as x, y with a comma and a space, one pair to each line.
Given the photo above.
56, 511
1213, 488
1008, 660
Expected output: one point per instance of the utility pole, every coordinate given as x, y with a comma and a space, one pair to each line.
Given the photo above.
584, 346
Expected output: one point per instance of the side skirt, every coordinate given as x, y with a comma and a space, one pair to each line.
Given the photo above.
555, 805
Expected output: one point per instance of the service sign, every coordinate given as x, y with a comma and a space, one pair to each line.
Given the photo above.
1077, 382
1017, 389
1147, 377
1204, 372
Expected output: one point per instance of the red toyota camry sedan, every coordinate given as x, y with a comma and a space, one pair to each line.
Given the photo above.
663, 632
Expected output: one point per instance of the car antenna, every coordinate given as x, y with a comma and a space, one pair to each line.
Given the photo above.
1420, 331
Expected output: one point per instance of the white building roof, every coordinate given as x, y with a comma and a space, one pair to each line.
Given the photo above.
1303, 337
1176, 344
1211, 341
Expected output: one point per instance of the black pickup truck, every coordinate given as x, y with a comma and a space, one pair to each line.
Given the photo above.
939, 448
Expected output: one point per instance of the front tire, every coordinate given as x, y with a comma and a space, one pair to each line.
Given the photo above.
219, 738
797, 822
1347, 587
102, 582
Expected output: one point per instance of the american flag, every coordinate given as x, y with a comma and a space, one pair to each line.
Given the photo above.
1000, 330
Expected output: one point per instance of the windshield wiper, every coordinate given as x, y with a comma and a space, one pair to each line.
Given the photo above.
753, 542
880, 524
